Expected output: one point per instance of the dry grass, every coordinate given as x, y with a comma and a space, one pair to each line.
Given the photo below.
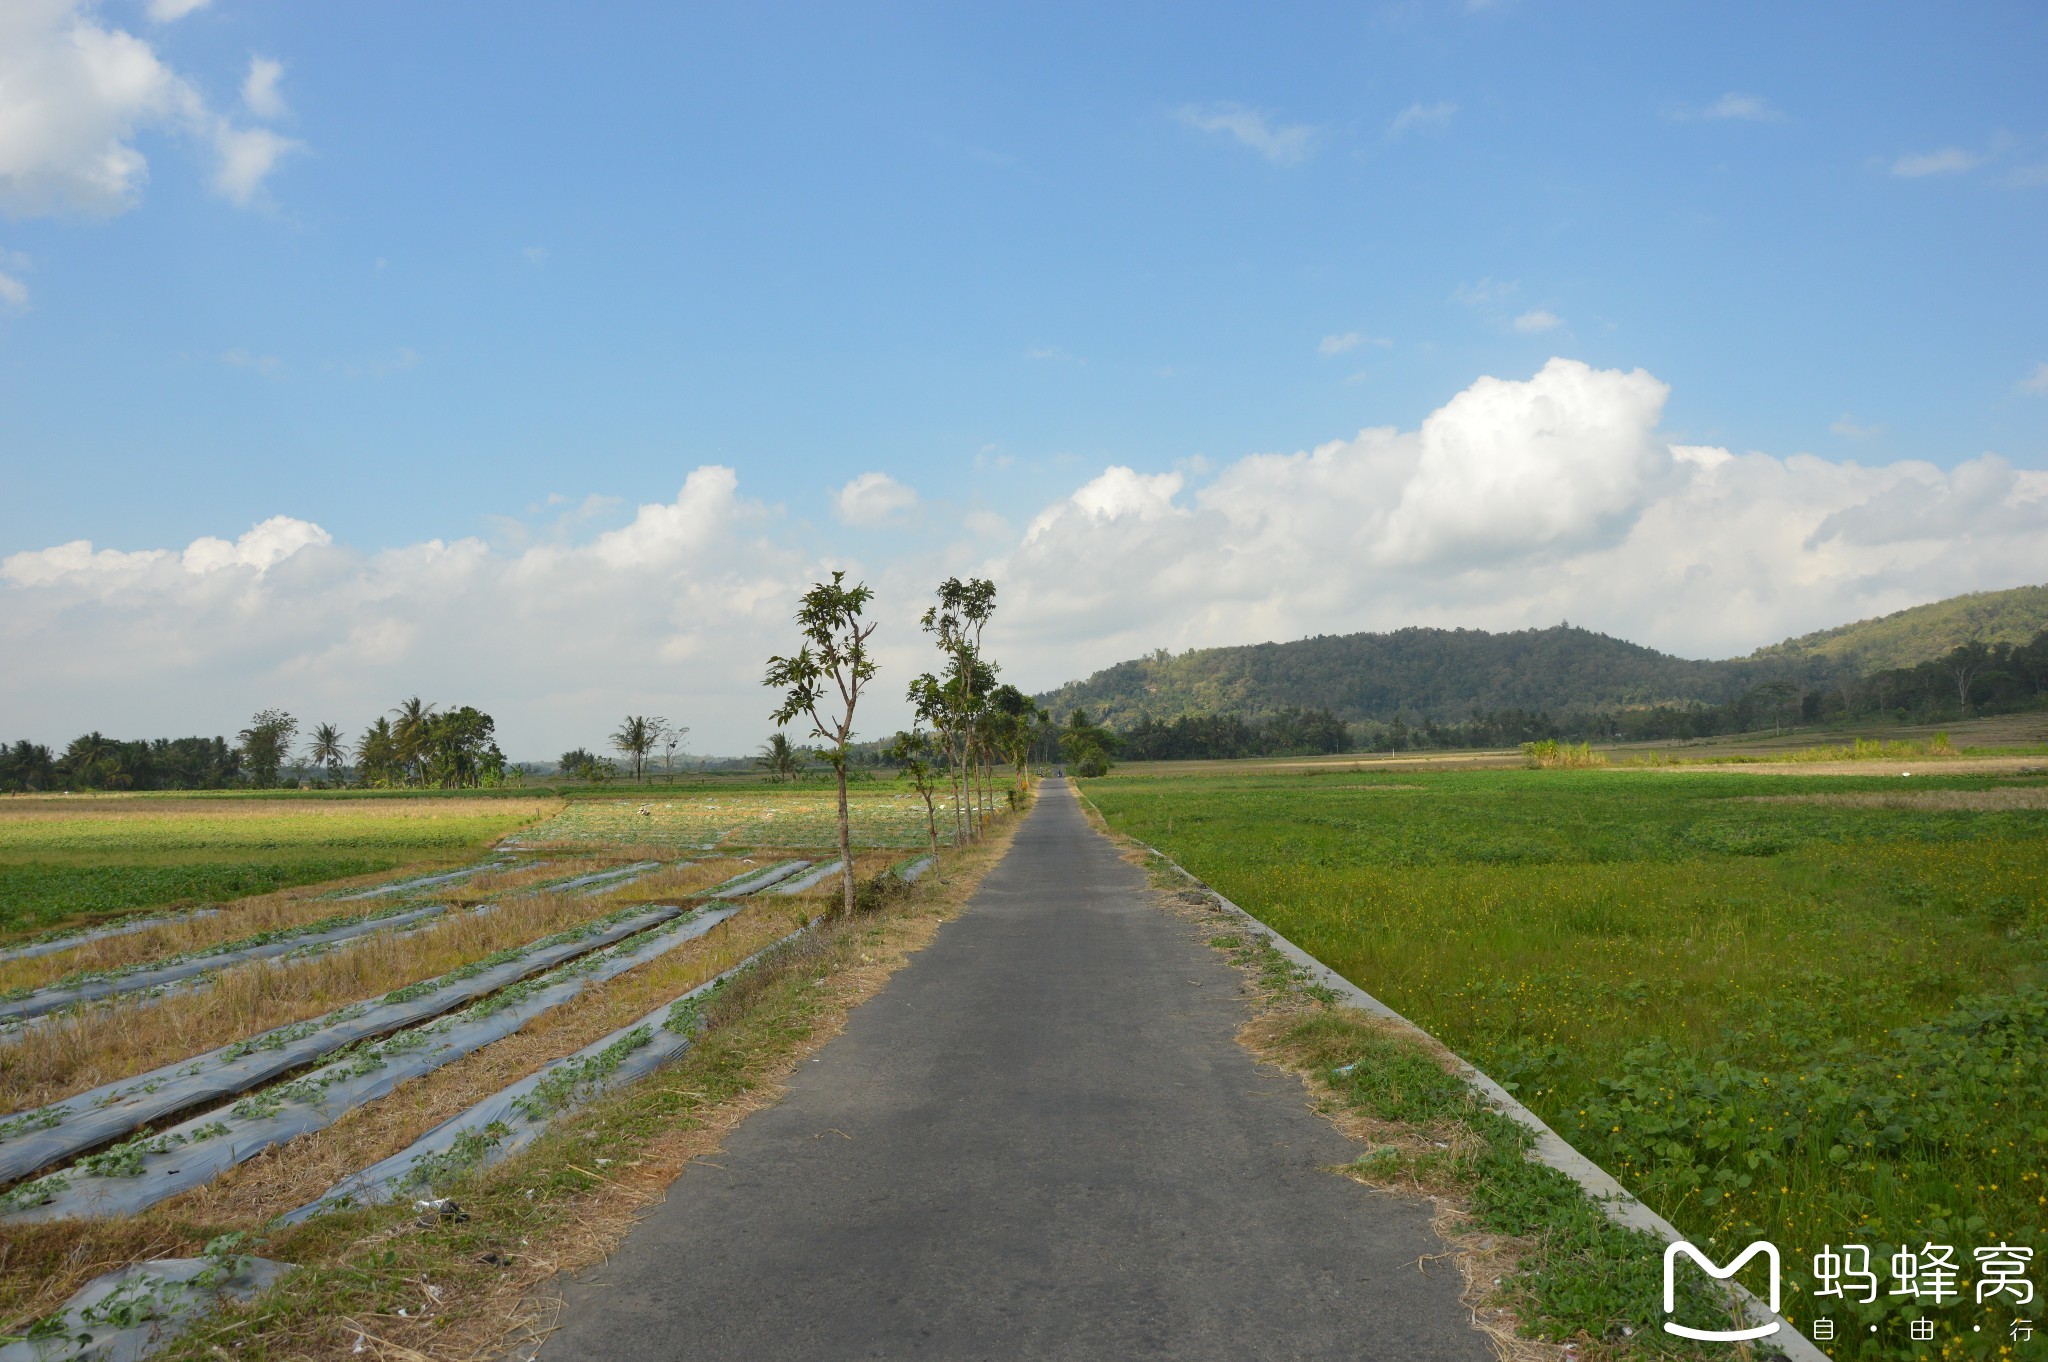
44, 1063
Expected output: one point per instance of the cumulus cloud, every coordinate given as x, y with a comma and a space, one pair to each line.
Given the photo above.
1284, 144
1517, 502
1947, 161
259, 88
1538, 319
75, 96
170, 11
1420, 117
872, 500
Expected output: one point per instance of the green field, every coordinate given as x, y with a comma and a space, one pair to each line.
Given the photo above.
1807, 1009
734, 815
67, 861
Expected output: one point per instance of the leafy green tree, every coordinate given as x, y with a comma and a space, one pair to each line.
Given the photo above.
459, 749
822, 681
267, 744
1087, 747
27, 766
328, 750
377, 755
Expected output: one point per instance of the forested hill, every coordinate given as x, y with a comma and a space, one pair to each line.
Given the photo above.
1443, 674
1910, 637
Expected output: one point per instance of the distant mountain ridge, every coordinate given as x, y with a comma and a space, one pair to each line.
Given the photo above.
1450, 674
1909, 637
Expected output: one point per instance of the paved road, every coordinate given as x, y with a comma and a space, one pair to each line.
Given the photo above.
1056, 1150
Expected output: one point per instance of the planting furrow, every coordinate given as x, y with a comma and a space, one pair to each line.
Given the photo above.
51, 945
159, 974
132, 1176
34, 1140
128, 1314
514, 1117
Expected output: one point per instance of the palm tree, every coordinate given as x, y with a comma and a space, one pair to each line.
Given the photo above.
410, 734
636, 738
327, 750
780, 758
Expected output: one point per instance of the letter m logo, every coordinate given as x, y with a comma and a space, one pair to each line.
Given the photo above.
1672, 1253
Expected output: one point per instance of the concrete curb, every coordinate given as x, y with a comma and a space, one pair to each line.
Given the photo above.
1551, 1148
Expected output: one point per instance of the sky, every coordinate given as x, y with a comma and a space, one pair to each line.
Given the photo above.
537, 357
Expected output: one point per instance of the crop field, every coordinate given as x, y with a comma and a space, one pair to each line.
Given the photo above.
1797, 1008
307, 1032
72, 860
737, 817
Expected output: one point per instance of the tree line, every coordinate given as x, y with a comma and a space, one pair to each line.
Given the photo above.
416, 744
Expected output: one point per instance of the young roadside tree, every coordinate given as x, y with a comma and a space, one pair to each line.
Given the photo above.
834, 653
637, 736
912, 751
266, 744
329, 749
1088, 747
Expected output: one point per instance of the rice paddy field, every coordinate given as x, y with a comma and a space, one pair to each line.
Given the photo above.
1803, 1009
73, 860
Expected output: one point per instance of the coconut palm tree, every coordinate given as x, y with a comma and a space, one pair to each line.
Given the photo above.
328, 751
410, 734
637, 737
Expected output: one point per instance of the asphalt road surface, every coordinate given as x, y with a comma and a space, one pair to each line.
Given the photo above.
1039, 1141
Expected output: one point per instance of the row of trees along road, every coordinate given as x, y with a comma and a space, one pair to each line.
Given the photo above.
416, 744
965, 722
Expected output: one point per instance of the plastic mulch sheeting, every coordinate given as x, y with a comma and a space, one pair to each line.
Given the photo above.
135, 1175
36, 1139
637, 869
415, 885
127, 1315
753, 882
51, 945
912, 870
44, 1000
817, 876
509, 1120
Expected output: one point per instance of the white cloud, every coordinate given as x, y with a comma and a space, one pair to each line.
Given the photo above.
536, 255
1052, 354
1337, 345
873, 500
2026, 177
247, 156
1420, 117
1484, 292
1848, 428
13, 292
1539, 319
1947, 161
1516, 503
259, 89
1282, 144
170, 11
75, 96
270, 366
1737, 106
2036, 382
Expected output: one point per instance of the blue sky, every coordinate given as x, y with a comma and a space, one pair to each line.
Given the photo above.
509, 273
